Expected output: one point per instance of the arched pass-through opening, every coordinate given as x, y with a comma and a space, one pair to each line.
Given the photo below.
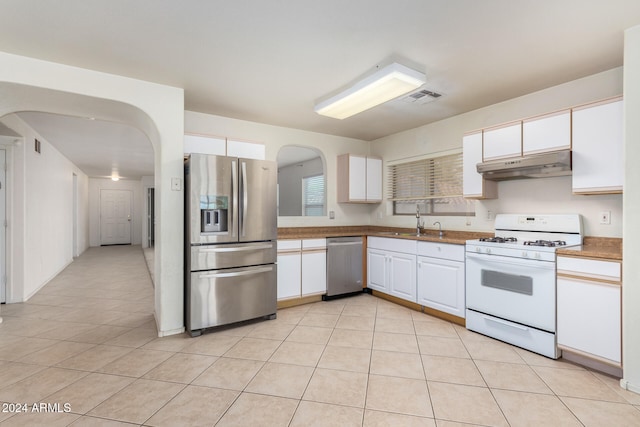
17, 98
28, 84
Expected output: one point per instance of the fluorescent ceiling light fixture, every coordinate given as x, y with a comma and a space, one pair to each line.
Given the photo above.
384, 85
115, 178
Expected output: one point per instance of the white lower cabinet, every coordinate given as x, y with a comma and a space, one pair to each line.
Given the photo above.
314, 267
377, 267
427, 273
402, 276
441, 277
391, 267
289, 268
589, 308
302, 268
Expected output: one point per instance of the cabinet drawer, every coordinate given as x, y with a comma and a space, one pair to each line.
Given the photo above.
590, 268
289, 245
441, 250
309, 244
395, 245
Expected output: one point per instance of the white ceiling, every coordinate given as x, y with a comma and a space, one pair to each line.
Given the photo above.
271, 61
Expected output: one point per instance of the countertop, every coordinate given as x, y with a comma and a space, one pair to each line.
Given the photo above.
429, 235
593, 247
596, 247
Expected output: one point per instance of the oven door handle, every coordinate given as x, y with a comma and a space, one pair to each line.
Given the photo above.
513, 261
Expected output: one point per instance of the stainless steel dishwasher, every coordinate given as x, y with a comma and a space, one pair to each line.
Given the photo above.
344, 266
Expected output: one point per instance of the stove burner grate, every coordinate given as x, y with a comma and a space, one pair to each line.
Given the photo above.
546, 243
499, 239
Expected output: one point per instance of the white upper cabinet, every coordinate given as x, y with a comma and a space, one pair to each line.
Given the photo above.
473, 184
374, 179
359, 179
221, 146
550, 132
205, 145
502, 141
246, 149
598, 164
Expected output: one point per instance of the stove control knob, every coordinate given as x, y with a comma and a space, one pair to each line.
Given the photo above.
537, 255
488, 250
525, 254
478, 249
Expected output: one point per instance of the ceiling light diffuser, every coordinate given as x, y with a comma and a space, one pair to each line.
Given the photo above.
384, 85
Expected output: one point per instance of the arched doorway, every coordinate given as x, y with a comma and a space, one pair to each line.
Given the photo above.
32, 85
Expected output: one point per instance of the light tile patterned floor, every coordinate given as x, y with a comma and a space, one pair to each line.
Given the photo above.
88, 339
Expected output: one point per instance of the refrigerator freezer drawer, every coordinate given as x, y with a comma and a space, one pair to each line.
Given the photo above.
227, 296
211, 257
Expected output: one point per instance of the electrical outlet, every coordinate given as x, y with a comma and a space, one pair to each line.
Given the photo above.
332, 215
605, 217
489, 215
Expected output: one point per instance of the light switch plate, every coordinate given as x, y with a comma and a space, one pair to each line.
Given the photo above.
332, 215
605, 217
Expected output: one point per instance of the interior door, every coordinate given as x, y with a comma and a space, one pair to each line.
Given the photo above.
115, 217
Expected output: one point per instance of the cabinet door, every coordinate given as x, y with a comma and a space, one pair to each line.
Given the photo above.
246, 150
205, 145
473, 184
547, 133
502, 142
374, 179
377, 269
314, 272
598, 164
402, 276
441, 285
289, 268
357, 182
589, 317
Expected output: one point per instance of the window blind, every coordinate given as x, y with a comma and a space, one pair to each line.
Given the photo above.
426, 179
313, 195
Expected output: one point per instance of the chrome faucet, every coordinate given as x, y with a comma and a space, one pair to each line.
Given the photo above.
419, 224
440, 228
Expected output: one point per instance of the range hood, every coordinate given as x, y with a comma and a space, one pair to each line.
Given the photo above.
557, 163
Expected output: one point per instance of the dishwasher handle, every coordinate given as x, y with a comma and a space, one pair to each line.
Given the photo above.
344, 243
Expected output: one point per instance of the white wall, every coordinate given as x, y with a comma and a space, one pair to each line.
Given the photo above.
137, 207
631, 248
548, 195
275, 137
41, 212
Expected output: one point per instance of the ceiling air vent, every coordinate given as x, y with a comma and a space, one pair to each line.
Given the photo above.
421, 96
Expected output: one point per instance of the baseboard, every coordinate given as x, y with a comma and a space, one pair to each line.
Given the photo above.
625, 384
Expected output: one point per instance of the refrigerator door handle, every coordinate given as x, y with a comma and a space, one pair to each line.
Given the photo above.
238, 248
235, 273
245, 198
234, 193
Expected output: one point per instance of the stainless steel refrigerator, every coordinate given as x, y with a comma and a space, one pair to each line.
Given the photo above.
230, 239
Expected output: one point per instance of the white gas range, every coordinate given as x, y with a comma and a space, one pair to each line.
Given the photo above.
511, 279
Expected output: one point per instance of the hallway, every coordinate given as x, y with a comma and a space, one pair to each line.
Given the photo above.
86, 345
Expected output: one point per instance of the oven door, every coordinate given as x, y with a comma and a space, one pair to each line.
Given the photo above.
515, 289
